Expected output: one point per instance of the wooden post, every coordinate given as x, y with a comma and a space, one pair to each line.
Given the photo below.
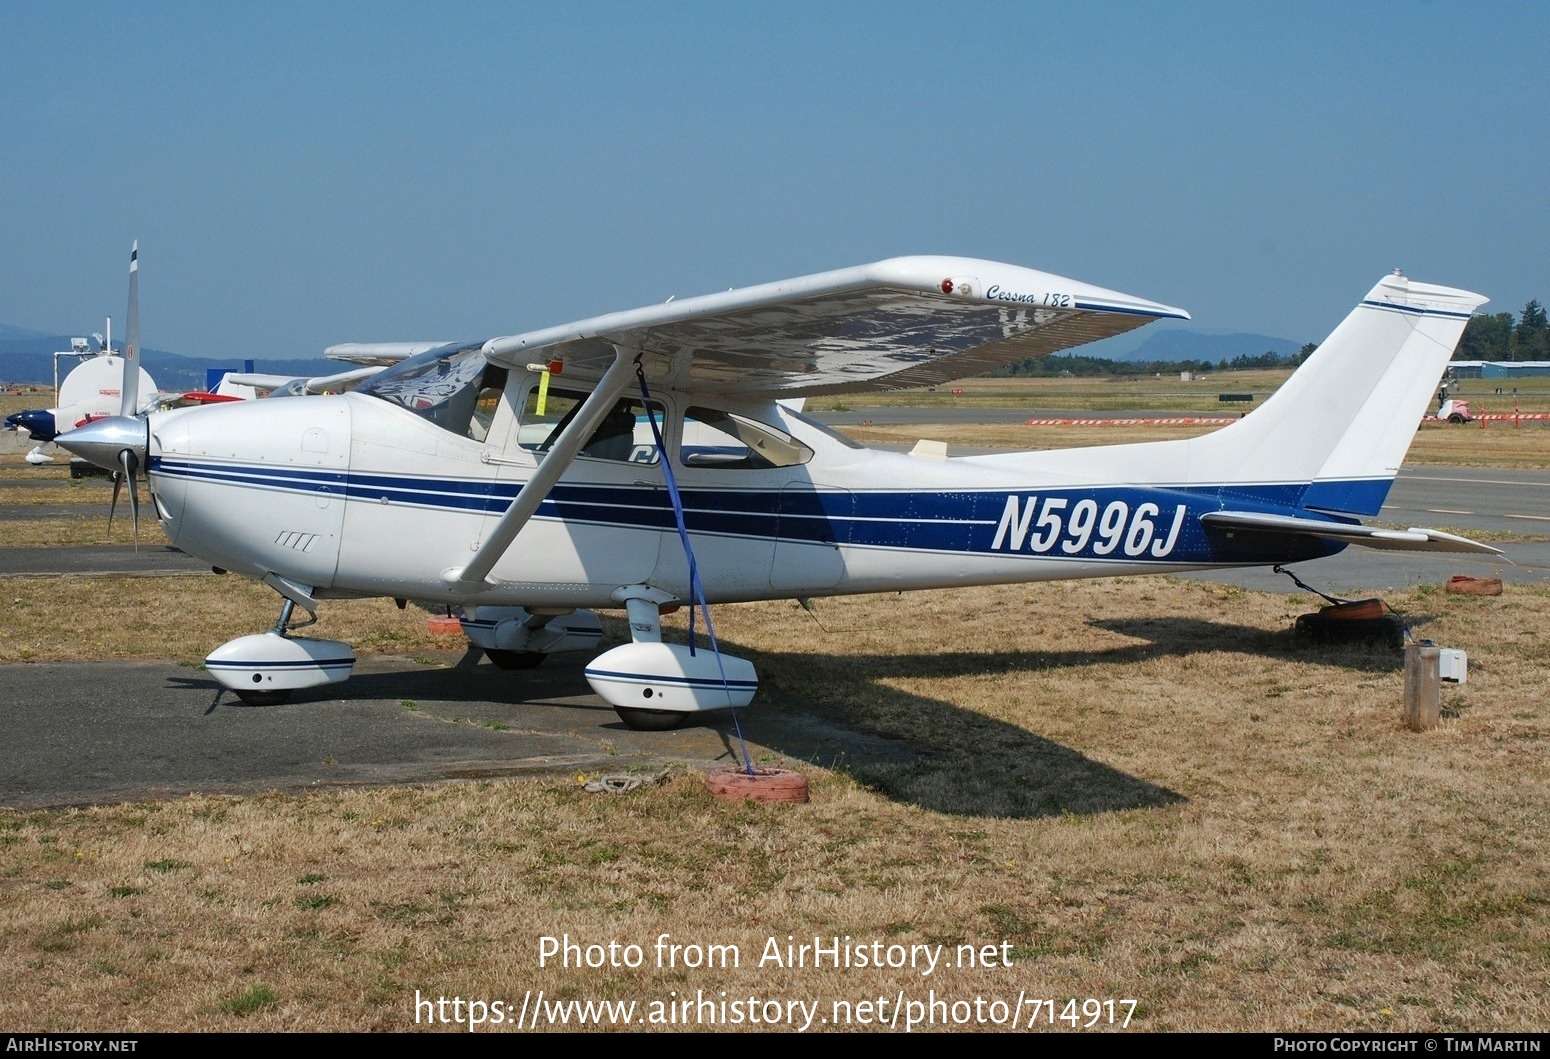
1423, 687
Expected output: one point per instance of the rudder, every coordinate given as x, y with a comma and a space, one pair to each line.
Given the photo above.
1344, 420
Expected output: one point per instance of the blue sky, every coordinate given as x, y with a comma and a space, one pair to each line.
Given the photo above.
300, 174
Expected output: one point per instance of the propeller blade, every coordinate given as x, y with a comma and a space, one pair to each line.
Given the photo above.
118, 480
129, 401
127, 458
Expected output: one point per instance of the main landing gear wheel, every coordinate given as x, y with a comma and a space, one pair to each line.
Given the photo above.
263, 698
514, 659
651, 720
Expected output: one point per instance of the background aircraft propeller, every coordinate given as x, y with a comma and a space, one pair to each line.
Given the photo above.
129, 391
119, 444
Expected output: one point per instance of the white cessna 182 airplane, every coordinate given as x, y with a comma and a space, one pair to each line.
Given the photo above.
512, 478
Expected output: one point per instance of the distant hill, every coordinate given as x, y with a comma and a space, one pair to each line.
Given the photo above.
9, 333
1196, 345
26, 357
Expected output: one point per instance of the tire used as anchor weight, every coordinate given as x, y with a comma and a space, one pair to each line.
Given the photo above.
763, 784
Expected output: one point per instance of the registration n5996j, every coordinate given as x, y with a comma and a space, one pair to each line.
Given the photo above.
1087, 526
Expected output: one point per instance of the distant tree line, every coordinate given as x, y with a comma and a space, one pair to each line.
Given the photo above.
1099, 367
1498, 337
1494, 337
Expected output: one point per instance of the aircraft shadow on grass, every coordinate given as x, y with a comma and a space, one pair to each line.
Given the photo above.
1181, 637
909, 747
917, 750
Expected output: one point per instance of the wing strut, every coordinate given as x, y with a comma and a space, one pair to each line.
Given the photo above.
475, 576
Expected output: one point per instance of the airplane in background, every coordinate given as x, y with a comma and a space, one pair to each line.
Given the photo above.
90, 391
506, 477
369, 358
96, 387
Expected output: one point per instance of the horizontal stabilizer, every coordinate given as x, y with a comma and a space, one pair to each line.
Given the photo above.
1408, 540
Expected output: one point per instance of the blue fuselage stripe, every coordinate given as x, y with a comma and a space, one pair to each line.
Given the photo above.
1117, 522
661, 678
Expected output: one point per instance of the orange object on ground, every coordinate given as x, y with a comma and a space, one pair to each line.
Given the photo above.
733, 783
1464, 585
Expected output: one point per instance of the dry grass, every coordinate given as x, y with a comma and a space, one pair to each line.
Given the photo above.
1507, 446
1159, 393
1524, 446
1142, 786
179, 618
94, 494
89, 527
1016, 437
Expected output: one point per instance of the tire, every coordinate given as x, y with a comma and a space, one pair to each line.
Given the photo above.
263, 698
1455, 418
651, 720
731, 783
515, 659
1387, 631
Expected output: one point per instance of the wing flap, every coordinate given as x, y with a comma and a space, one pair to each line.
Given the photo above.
1415, 539
904, 322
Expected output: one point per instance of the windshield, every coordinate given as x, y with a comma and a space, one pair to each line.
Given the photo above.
442, 385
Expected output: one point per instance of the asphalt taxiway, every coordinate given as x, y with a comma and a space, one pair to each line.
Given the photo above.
107, 731
94, 732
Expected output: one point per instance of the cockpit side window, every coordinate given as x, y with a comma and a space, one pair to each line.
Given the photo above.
487, 401
728, 441
624, 435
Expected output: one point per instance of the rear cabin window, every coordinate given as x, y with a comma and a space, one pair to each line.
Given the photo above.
726, 441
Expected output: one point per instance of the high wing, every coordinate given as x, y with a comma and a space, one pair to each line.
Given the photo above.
904, 322
1414, 539
907, 321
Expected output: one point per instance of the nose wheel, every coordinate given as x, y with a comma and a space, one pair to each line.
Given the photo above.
651, 720
265, 668
264, 698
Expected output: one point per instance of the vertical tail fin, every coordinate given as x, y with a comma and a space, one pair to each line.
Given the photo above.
1344, 420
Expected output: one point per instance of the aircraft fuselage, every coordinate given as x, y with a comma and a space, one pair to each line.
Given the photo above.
352, 495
